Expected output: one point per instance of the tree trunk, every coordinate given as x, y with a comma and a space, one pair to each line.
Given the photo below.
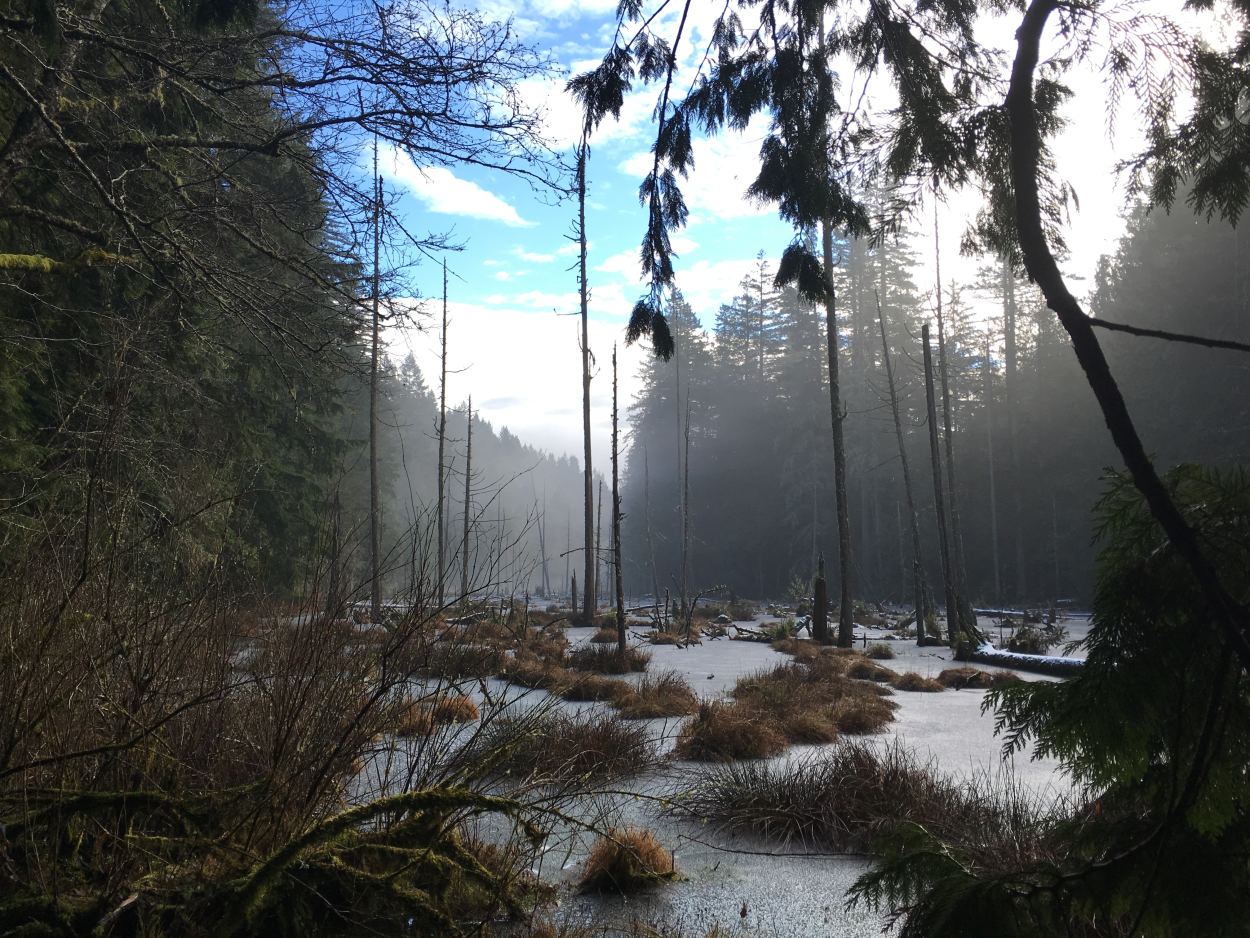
846, 624
989, 452
966, 616
1011, 379
588, 612
820, 604
375, 507
939, 502
442, 443
597, 585
616, 519
917, 560
468, 504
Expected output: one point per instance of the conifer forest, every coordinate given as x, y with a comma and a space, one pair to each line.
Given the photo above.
654, 468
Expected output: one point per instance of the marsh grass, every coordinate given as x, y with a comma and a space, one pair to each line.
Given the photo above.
914, 682
851, 794
626, 860
666, 694
966, 678
604, 660
557, 747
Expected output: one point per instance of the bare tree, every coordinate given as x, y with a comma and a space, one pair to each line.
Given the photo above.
468, 501
616, 518
583, 289
375, 507
442, 442
939, 500
917, 561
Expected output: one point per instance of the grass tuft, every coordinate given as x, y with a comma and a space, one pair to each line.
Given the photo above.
911, 681
603, 660
722, 732
976, 679
562, 747
880, 652
626, 860
660, 695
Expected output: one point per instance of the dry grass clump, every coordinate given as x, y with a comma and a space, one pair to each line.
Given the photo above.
562, 747
799, 647
607, 634
528, 670
420, 717
976, 679
912, 681
660, 695
880, 652
455, 660
626, 860
722, 732
582, 687
605, 660
811, 701
848, 794
675, 635
865, 670
859, 715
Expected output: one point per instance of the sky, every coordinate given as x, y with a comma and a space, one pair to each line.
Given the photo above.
513, 333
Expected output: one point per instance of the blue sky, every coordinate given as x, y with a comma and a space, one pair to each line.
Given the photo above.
513, 337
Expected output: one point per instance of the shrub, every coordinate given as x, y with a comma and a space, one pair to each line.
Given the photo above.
1032, 640
911, 681
605, 635
742, 610
608, 660
626, 860
660, 695
880, 652
722, 731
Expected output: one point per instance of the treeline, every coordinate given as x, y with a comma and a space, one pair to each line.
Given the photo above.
745, 407
185, 275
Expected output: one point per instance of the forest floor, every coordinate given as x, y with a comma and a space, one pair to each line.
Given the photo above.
740, 884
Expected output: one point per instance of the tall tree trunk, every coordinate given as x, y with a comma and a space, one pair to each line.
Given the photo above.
646, 509
846, 623
939, 501
966, 616
685, 514
1011, 380
375, 507
917, 558
332, 599
442, 443
616, 519
583, 289
598, 548
820, 604
542, 547
468, 504
989, 452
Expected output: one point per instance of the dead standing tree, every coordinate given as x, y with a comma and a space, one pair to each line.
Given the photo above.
616, 518
918, 577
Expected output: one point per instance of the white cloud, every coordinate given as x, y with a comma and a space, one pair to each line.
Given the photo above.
545, 409
532, 257
446, 193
